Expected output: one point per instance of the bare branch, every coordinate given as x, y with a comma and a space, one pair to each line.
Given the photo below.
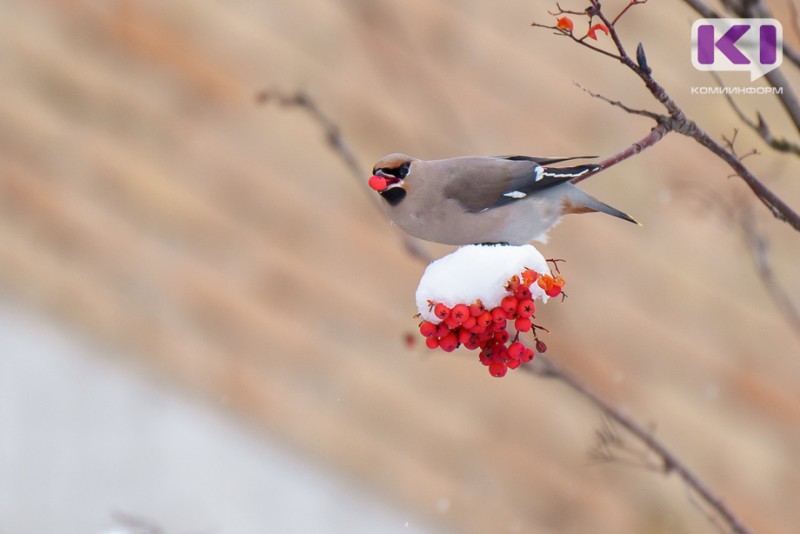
616, 103
332, 131
761, 128
581, 41
670, 463
759, 250
335, 139
737, 212
678, 122
611, 447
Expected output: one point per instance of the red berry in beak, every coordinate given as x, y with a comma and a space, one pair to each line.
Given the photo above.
378, 183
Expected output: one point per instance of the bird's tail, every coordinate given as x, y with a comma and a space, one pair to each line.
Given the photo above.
578, 201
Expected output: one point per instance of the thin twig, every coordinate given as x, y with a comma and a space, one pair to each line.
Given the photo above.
335, 139
580, 40
655, 135
759, 250
333, 133
611, 447
737, 212
761, 127
616, 103
670, 463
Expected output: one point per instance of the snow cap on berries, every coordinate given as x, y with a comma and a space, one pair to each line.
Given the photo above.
477, 272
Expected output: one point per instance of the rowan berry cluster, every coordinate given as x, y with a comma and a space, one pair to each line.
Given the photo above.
476, 327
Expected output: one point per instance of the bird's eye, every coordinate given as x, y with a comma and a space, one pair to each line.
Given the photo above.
402, 170
399, 172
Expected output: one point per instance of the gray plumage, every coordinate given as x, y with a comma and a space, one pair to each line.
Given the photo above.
467, 200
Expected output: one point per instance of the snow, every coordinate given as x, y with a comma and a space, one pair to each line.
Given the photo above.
476, 272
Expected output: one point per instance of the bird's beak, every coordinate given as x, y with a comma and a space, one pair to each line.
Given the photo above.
381, 181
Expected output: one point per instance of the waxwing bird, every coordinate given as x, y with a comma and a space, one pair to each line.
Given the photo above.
471, 200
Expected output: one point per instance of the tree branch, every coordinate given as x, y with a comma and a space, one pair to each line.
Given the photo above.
761, 128
677, 120
335, 139
545, 368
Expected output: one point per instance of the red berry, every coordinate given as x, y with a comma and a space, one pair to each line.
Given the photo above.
526, 308
526, 356
485, 357
498, 369
513, 364
472, 343
500, 353
449, 342
522, 293
441, 311
522, 324
476, 308
432, 342
509, 305
460, 312
501, 336
427, 328
484, 319
463, 335
498, 315
485, 336
553, 291
469, 323
378, 183
442, 330
515, 350
451, 322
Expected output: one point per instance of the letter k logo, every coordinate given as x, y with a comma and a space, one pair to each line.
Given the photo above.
753, 45
726, 44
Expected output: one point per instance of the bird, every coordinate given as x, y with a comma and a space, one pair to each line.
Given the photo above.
510, 200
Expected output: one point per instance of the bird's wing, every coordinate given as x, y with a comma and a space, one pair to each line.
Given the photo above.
487, 183
543, 161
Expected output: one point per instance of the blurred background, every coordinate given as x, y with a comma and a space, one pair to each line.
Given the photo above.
203, 317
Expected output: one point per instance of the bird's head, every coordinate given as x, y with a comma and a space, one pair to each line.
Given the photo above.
389, 177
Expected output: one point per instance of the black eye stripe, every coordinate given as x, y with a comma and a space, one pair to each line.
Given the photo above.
398, 172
